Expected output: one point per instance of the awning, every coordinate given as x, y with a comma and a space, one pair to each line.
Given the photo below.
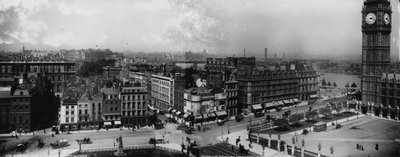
270, 104
185, 115
221, 113
173, 111
212, 115
296, 100
169, 110
198, 117
205, 116
178, 113
117, 122
286, 101
256, 107
280, 103
107, 123
291, 101
314, 96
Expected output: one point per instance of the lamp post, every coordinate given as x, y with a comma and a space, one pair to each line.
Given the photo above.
59, 152
319, 149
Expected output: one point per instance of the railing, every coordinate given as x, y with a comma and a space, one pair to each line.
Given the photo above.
137, 147
274, 145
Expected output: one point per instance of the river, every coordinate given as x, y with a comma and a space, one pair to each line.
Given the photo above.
341, 79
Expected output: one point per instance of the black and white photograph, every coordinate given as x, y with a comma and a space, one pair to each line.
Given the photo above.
199, 78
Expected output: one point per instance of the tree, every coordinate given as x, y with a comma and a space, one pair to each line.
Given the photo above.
334, 84
347, 85
325, 111
329, 83
311, 114
323, 83
295, 118
353, 85
281, 122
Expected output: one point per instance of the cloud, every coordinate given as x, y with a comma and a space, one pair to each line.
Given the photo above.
63, 38
6, 41
70, 9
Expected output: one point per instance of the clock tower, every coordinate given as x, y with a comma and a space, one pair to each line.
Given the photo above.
376, 29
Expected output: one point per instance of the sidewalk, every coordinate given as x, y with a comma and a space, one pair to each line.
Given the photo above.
256, 147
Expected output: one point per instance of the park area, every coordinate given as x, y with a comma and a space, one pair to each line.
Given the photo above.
366, 131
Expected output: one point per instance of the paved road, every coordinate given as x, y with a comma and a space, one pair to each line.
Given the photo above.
209, 136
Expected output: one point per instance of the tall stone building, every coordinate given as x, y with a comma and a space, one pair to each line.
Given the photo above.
376, 29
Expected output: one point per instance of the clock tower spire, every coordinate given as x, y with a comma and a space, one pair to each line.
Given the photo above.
376, 29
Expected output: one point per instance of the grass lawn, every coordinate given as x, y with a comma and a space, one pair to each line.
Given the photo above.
308, 123
366, 131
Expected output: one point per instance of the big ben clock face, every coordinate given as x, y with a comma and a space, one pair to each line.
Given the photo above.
370, 18
386, 19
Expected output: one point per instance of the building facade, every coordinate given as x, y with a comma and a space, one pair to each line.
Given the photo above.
68, 114
134, 101
376, 29
18, 109
111, 107
162, 92
198, 101
60, 72
89, 111
390, 89
231, 95
308, 81
261, 85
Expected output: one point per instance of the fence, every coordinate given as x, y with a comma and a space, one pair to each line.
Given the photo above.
274, 145
127, 148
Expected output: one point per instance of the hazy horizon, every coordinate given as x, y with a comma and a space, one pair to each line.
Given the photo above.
312, 27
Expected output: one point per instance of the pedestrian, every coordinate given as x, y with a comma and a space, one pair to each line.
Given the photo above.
362, 148
250, 146
358, 146
233, 148
52, 134
227, 139
237, 141
376, 147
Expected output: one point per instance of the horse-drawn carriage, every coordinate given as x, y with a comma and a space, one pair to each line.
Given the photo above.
40, 143
84, 141
239, 117
220, 122
21, 147
59, 144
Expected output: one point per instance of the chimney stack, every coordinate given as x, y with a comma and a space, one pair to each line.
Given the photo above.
266, 54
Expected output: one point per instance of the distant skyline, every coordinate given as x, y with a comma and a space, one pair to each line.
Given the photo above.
313, 27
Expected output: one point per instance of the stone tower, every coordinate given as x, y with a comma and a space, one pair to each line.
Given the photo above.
376, 29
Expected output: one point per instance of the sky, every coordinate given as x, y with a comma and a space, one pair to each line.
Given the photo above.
316, 27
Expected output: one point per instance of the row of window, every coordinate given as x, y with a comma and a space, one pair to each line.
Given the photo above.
134, 97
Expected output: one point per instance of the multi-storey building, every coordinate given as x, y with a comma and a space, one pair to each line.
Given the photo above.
220, 69
68, 114
376, 29
89, 111
261, 85
111, 107
231, 95
162, 92
308, 81
179, 90
59, 71
198, 101
134, 101
19, 108
111, 71
390, 90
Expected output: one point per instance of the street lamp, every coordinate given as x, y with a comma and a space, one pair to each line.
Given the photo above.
59, 152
